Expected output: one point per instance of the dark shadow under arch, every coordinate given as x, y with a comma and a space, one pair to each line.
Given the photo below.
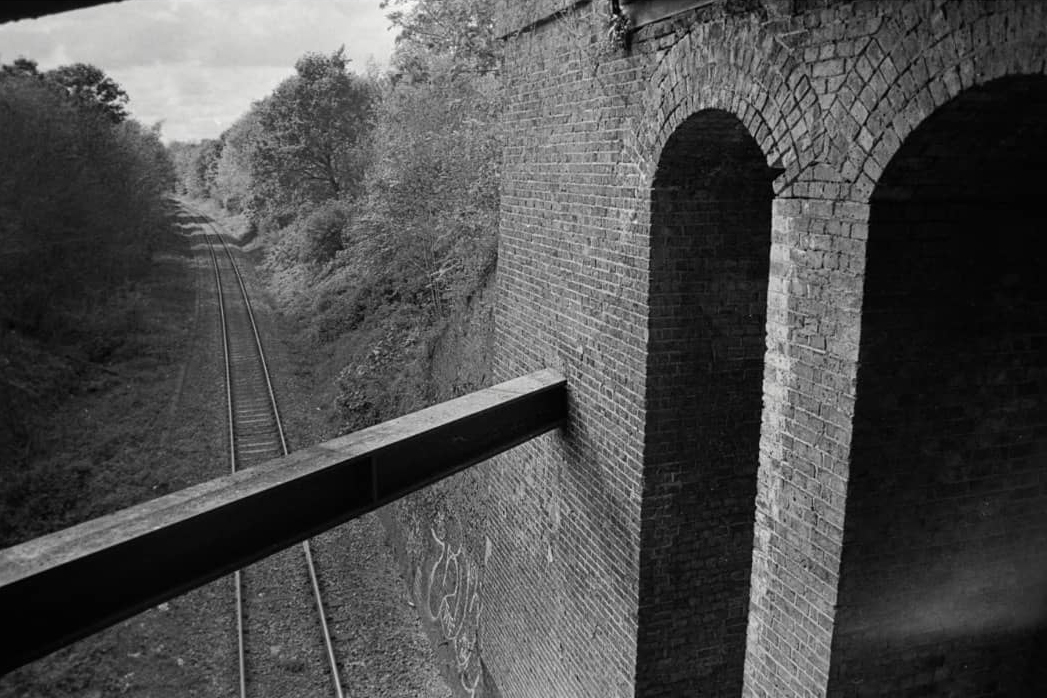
710, 256
943, 587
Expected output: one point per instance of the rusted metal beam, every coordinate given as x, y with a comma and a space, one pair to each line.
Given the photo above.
61, 587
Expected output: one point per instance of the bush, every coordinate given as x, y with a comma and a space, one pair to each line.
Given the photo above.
321, 233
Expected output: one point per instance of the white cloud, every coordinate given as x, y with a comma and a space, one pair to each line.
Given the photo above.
198, 64
195, 102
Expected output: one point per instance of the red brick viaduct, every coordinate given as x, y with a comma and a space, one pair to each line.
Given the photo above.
790, 257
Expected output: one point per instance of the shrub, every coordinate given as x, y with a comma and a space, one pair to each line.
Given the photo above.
321, 233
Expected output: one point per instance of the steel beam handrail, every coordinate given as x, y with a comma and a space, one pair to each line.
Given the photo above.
69, 584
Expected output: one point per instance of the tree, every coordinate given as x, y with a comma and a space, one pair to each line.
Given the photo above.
233, 182
196, 166
22, 67
431, 209
311, 132
81, 198
93, 88
461, 30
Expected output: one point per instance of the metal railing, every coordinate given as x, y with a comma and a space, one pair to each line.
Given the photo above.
66, 585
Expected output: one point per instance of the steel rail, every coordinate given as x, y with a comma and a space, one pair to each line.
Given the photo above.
237, 585
306, 548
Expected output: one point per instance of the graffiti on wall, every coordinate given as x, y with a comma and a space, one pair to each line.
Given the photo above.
453, 601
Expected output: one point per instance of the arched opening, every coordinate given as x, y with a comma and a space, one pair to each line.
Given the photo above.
943, 585
710, 256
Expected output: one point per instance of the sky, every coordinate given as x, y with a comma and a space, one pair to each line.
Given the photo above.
197, 65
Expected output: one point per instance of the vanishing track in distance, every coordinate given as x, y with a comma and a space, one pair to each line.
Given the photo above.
256, 435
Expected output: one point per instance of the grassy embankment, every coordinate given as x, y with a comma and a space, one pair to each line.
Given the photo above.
361, 357
127, 407
82, 413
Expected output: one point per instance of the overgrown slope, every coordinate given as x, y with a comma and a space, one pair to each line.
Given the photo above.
386, 272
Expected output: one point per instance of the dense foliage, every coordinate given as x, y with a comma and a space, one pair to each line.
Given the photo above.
81, 194
376, 197
82, 208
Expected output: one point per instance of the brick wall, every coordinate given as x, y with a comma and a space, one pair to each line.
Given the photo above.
571, 293
577, 595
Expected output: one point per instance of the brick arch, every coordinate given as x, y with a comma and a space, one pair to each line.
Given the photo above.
901, 87
746, 83
710, 239
943, 568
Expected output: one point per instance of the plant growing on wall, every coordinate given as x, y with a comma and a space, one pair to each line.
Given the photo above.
618, 30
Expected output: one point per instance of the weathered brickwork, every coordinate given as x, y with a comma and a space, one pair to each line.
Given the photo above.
599, 577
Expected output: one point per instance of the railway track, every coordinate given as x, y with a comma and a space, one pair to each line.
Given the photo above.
256, 435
